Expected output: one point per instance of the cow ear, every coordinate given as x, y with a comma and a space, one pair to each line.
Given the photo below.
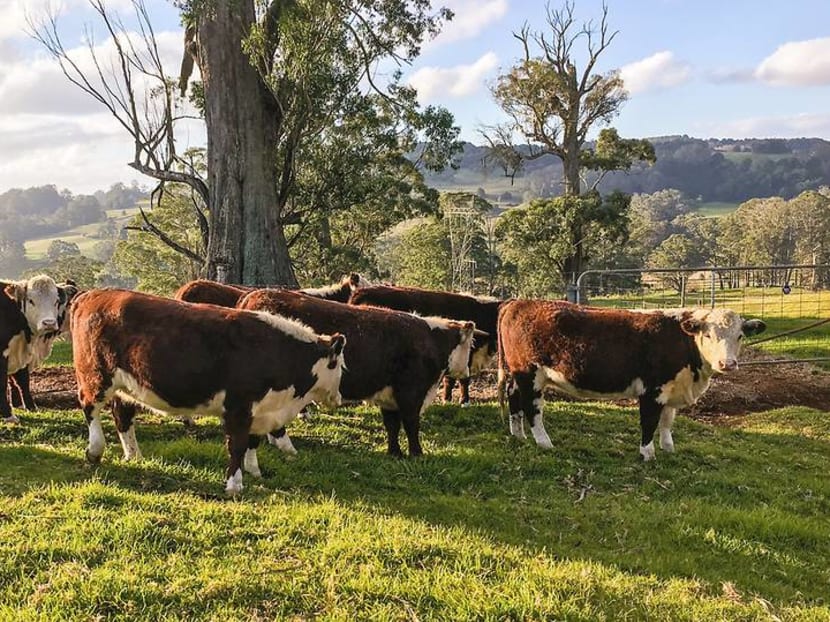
17, 292
71, 290
753, 327
691, 326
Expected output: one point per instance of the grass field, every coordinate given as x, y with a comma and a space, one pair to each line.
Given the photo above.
733, 526
82, 235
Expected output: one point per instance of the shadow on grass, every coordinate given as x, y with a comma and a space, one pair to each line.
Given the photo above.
742, 506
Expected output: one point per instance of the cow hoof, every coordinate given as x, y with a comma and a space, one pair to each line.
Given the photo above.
546, 445
283, 443
233, 486
91, 458
12, 419
465, 404
647, 452
667, 447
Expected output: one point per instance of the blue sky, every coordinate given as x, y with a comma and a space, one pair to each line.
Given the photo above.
733, 68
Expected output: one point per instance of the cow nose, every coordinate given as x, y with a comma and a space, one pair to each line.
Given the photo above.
49, 324
728, 365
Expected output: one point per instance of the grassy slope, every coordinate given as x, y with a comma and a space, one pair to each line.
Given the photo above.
81, 235
733, 526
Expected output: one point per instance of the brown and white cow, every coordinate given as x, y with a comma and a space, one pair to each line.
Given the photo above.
225, 295
482, 311
254, 370
42, 343
395, 359
665, 359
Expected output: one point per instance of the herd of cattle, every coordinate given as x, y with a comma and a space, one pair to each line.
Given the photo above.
257, 357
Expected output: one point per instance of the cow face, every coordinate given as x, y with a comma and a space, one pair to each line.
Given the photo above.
329, 371
357, 282
458, 363
39, 301
718, 334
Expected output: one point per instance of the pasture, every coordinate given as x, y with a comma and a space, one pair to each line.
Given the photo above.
733, 526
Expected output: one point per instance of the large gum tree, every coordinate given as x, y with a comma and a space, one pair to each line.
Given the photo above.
264, 90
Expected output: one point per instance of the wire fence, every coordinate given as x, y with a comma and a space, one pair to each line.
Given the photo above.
791, 299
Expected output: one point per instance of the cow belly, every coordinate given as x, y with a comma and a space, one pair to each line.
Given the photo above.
18, 352
684, 390
547, 376
275, 410
127, 387
385, 399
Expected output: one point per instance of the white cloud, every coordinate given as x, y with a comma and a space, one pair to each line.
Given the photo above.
785, 126
471, 17
798, 63
458, 81
658, 71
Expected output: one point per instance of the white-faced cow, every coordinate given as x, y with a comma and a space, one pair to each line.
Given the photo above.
665, 359
42, 343
254, 370
482, 311
395, 359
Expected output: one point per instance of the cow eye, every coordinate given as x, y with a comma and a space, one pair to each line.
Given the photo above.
31, 302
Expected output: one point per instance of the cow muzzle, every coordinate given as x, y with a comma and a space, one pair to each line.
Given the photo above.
49, 324
727, 365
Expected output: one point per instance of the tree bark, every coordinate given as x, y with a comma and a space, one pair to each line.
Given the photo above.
247, 244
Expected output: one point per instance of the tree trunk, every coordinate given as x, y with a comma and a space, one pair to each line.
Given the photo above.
247, 244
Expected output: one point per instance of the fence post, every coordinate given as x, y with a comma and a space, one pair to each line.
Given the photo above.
712, 299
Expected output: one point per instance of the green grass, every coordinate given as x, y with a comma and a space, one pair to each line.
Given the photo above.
61, 354
716, 208
731, 527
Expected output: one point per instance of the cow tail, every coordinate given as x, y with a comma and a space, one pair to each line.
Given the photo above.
502, 367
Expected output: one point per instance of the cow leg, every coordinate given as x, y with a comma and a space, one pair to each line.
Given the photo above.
666, 421
237, 423
649, 418
250, 463
282, 441
449, 385
124, 415
5, 409
22, 396
392, 423
533, 403
517, 426
97, 442
465, 391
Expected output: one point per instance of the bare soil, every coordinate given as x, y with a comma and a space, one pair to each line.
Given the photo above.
753, 388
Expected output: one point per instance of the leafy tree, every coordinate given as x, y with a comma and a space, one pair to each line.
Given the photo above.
85, 271
678, 251
532, 241
12, 256
61, 248
273, 74
653, 218
553, 106
156, 265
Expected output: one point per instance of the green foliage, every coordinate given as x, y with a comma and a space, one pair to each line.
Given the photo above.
85, 271
59, 249
157, 267
12, 256
731, 527
536, 241
420, 255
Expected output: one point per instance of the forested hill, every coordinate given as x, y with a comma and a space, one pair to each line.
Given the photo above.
711, 170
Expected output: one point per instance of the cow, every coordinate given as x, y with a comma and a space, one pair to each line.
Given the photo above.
665, 359
42, 343
254, 370
16, 344
395, 359
225, 295
482, 311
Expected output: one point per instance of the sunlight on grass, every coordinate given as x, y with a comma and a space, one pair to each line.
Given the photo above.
733, 526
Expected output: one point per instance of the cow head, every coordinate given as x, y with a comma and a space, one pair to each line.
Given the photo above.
329, 370
39, 301
483, 351
357, 282
718, 334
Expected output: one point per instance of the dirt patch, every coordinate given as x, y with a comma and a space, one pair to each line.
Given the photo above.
753, 388
55, 387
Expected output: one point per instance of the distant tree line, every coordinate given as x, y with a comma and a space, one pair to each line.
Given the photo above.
709, 170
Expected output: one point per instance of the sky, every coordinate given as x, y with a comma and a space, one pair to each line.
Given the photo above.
705, 68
